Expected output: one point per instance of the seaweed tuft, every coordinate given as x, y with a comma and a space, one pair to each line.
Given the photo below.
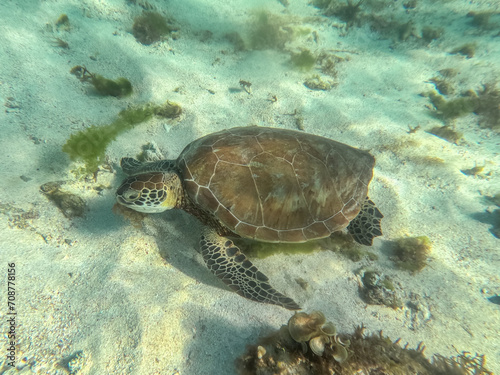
431, 33
485, 103
349, 12
269, 32
90, 145
303, 60
150, 27
481, 20
411, 253
453, 108
488, 106
468, 50
63, 23
119, 87
447, 133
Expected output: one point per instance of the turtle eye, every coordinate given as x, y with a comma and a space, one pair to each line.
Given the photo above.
131, 195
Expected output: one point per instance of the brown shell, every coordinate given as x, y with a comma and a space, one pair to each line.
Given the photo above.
276, 185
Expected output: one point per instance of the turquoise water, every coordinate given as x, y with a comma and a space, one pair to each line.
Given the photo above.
96, 289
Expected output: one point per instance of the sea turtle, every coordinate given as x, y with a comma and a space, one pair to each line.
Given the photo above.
263, 184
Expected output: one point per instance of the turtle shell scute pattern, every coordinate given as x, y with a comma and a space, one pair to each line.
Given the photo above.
276, 185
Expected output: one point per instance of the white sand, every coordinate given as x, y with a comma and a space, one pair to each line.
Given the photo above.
140, 301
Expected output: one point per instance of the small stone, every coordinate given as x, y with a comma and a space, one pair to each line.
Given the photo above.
261, 352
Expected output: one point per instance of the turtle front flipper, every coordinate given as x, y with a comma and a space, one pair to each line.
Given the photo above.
132, 167
366, 226
229, 264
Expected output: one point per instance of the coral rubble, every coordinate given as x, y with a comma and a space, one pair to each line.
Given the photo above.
286, 352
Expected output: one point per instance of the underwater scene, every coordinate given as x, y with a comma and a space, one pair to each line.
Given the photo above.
195, 187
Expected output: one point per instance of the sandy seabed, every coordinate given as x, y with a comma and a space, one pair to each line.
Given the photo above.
137, 299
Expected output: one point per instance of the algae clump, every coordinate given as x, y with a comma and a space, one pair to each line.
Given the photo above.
303, 60
468, 50
169, 110
263, 250
488, 106
63, 23
444, 86
118, 88
481, 20
90, 145
431, 33
269, 31
411, 253
453, 108
150, 27
447, 133
485, 103
349, 12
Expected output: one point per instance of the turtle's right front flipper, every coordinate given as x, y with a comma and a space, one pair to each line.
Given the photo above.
228, 263
132, 167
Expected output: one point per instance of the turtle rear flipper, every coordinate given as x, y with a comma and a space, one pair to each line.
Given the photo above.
229, 264
366, 226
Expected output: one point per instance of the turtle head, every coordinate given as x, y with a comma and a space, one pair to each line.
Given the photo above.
150, 192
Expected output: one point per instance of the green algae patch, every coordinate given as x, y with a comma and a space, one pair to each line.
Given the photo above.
431, 33
453, 108
468, 50
169, 110
338, 242
488, 106
150, 27
119, 87
444, 86
90, 145
269, 31
484, 102
63, 23
447, 133
263, 250
303, 60
348, 12
411, 253
344, 244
